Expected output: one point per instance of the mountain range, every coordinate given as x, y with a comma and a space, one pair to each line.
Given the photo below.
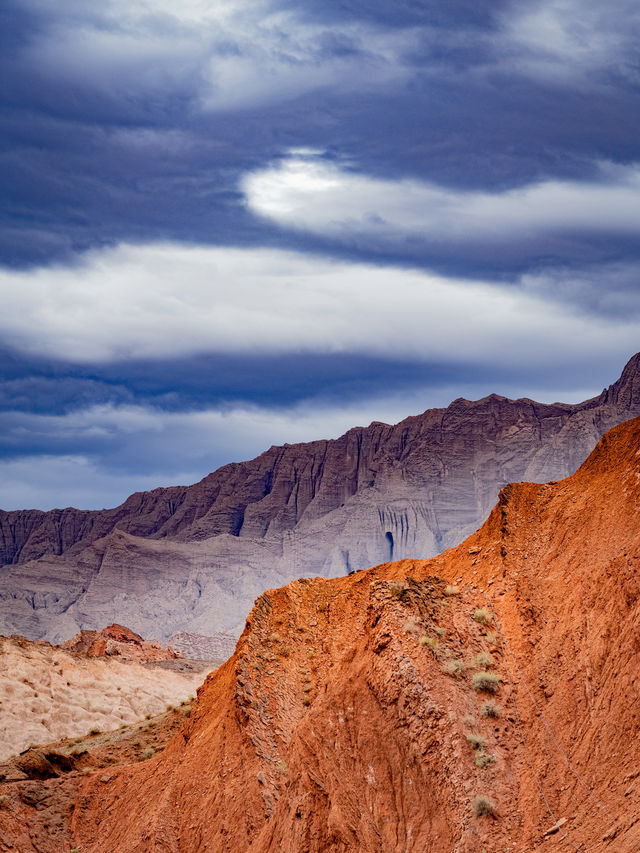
193, 559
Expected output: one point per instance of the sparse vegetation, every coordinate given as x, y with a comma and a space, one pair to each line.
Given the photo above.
482, 616
307, 688
440, 631
484, 806
484, 660
483, 759
94, 731
476, 741
306, 700
147, 752
430, 642
492, 639
488, 681
469, 721
281, 767
450, 589
410, 627
453, 667
187, 710
169, 708
5, 799
274, 638
490, 709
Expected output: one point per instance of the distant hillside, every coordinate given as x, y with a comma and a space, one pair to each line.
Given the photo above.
194, 558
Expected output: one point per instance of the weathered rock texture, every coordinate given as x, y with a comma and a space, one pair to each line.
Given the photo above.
347, 719
194, 558
201, 647
118, 641
48, 692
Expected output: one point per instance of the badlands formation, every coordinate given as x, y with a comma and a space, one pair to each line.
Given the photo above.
485, 700
96, 682
194, 558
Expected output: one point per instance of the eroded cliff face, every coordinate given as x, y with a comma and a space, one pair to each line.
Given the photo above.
194, 558
354, 713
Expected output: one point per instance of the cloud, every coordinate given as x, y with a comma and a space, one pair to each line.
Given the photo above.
566, 41
50, 482
609, 289
168, 301
311, 194
226, 56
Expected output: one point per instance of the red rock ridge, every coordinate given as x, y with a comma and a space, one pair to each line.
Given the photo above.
118, 641
347, 719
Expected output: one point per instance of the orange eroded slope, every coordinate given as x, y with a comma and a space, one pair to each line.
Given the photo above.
347, 720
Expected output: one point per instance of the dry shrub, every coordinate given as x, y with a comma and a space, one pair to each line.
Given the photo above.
476, 741
396, 588
490, 709
453, 667
484, 806
484, 660
482, 616
488, 681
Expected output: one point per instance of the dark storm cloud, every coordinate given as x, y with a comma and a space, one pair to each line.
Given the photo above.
106, 143
139, 125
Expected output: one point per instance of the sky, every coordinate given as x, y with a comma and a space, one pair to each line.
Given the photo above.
230, 225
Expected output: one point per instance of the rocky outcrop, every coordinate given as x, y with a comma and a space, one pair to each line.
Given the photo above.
194, 558
476, 701
118, 641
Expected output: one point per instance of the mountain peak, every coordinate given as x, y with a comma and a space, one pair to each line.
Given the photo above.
625, 391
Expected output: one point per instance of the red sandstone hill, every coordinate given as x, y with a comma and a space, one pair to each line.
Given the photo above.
348, 718
118, 641
193, 559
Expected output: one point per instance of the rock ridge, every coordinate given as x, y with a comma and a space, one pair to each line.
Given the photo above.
194, 558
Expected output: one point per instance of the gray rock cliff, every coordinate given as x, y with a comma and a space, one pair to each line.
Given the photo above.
194, 558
